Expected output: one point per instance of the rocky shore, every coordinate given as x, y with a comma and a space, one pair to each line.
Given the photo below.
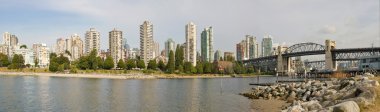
335, 95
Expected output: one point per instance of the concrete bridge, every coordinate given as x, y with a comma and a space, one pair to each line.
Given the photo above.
281, 62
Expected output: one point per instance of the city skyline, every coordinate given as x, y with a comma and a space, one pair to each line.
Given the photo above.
336, 20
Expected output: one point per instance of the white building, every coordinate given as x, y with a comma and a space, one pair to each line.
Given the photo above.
191, 43
116, 45
147, 45
92, 41
42, 53
28, 55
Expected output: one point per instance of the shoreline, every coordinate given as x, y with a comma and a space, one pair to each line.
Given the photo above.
115, 76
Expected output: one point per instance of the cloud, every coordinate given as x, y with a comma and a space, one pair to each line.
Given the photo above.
328, 29
291, 21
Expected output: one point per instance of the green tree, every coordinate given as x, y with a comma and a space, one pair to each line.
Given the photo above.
23, 46
207, 67
121, 64
180, 69
108, 63
229, 58
199, 67
152, 65
170, 67
83, 63
131, 64
53, 67
93, 60
140, 64
161, 65
179, 56
17, 62
4, 62
188, 67
221, 59
36, 62
238, 68
99, 62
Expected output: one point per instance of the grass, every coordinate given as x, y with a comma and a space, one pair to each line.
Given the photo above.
376, 107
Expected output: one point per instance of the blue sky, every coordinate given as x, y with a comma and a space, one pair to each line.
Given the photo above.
352, 23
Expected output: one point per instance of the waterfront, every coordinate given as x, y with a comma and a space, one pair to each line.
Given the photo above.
33, 93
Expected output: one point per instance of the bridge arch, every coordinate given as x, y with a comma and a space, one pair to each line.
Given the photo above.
304, 47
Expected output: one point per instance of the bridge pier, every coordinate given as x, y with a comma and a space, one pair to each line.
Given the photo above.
283, 63
329, 59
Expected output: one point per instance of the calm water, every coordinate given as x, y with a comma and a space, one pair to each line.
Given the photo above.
28, 93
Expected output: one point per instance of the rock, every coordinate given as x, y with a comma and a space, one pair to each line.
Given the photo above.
311, 105
368, 75
295, 108
372, 83
330, 92
291, 97
306, 95
349, 106
269, 96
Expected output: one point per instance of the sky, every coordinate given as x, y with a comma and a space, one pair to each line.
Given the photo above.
351, 23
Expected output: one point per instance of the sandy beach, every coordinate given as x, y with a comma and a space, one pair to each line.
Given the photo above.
111, 76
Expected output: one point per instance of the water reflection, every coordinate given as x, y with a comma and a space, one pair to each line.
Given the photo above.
26, 93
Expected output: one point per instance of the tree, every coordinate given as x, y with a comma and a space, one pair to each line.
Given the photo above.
140, 64
93, 60
238, 68
83, 63
229, 58
53, 67
161, 65
36, 62
221, 59
17, 62
121, 64
152, 64
199, 67
108, 63
23, 46
207, 67
131, 64
188, 67
179, 56
99, 62
4, 62
170, 67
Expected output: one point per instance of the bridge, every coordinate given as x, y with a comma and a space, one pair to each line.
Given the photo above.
281, 62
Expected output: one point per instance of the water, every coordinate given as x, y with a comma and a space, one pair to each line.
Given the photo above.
28, 93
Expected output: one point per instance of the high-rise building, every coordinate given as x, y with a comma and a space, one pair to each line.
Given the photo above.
60, 46
42, 54
71, 47
266, 46
207, 50
92, 41
9, 43
156, 49
133, 53
7, 38
252, 47
116, 45
14, 41
75, 44
241, 51
169, 46
146, 42
191, 43
228, 54
125, 44
217, 55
